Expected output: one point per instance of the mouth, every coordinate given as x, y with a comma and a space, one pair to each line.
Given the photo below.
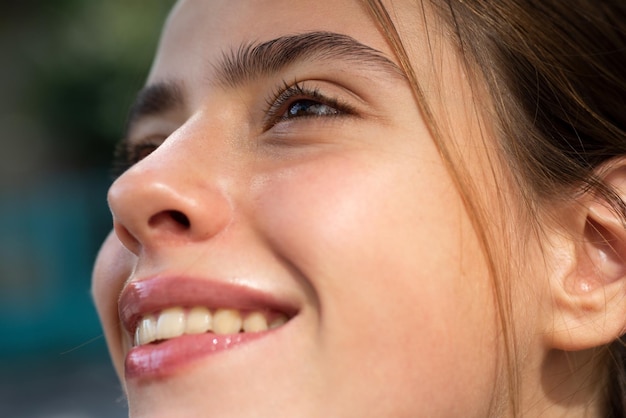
173, 322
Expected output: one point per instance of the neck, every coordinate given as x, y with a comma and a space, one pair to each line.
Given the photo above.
566, 384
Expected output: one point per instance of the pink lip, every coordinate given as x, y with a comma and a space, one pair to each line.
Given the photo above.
155, 294
167, 358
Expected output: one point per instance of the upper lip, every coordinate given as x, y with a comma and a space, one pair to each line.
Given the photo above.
142, 297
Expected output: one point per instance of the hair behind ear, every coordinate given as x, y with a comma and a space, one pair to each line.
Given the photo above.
617, 380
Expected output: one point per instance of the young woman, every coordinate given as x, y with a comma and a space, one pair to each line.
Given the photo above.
373, 209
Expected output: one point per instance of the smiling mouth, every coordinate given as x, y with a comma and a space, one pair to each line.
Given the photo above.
175, 322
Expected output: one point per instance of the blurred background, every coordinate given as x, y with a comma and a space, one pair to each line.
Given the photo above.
69, 71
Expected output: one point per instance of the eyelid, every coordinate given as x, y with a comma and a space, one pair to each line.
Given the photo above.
147, 131
290, 93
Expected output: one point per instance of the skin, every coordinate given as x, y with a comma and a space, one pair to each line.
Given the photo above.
355, 218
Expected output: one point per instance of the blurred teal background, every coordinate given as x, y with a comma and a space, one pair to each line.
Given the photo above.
69, 71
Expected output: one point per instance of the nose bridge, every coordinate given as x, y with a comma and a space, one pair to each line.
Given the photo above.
179, 193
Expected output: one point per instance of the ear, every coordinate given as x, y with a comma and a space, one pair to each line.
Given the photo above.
589, 289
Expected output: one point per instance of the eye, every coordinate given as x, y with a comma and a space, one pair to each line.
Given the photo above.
141, 151
129, 153
306, 107
297, 101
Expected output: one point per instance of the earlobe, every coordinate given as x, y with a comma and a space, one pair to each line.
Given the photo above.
589, 298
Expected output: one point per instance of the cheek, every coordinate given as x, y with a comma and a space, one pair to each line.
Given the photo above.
345, 220
397, 271
112, 268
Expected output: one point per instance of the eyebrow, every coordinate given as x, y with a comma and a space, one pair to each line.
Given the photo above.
254, 60
154, 99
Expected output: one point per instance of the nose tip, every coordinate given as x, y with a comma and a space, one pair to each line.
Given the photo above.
151, 209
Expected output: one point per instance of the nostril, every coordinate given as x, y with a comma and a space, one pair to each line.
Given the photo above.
180, 217
172, 220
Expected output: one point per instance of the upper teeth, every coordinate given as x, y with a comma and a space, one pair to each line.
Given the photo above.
176, 321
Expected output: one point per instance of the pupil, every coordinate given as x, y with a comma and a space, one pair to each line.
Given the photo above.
309, 107
301, 108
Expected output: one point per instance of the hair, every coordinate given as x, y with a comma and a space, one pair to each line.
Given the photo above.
555, 72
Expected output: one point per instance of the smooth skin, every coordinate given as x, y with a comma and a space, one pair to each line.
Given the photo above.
351, 216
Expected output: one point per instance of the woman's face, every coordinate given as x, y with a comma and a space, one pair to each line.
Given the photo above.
298, 206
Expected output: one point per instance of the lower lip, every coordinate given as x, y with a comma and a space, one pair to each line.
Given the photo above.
153, 361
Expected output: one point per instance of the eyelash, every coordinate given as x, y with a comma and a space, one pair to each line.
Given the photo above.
128, 154
288, 95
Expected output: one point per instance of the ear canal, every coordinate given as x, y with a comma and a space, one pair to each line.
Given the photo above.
605, 243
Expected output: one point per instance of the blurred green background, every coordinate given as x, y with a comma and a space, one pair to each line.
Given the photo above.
69, 71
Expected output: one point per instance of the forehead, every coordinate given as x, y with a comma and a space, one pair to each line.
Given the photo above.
198, 31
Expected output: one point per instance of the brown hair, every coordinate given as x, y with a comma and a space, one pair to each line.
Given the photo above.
556, 72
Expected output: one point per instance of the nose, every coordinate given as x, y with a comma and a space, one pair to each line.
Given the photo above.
160, 202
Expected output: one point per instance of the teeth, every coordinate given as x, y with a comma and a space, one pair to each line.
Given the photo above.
171, 323
278, 321
176, 321
199, 320
255, 322
227, 321
146, 331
